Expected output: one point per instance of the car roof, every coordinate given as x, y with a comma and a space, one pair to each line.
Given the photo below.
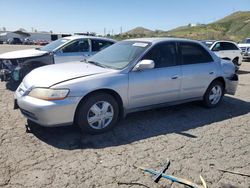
221, 41
88, 37
161, 39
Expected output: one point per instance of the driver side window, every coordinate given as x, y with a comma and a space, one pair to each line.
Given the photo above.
76, 46
163, 55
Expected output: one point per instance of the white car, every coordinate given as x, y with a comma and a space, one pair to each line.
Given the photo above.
226, 50
245, 48
15, 65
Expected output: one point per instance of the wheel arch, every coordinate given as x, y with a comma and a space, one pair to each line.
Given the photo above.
111, 92
220, 79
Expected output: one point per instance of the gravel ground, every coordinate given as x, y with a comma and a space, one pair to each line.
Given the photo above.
196, 140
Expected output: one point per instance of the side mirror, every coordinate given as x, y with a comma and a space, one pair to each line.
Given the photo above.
144, 65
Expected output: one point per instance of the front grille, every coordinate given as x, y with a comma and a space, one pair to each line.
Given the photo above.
243, 49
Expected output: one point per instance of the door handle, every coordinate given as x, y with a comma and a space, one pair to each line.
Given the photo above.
212, 72
174, 77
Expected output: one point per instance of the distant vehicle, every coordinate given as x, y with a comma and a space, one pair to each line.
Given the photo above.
28, 41
41, 42
245, 47
14, 41
225, 50
15, 65
129, 76
1, 42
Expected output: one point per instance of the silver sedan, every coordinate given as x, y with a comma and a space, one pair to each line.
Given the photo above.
129, 76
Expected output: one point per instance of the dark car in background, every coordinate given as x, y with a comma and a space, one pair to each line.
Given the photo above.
14, 41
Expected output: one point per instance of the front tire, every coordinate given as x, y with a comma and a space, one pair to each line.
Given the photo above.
97, 113
214, 94
236, 61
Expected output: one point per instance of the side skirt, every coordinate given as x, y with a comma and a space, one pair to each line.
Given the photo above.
127, 111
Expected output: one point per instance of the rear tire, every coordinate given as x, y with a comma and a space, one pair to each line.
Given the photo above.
214, 94
98, 113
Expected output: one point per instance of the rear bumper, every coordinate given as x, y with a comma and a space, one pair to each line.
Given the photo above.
232, 84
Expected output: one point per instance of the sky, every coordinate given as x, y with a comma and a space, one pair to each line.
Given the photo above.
70, 16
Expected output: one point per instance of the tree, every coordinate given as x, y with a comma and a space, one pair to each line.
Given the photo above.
4, 28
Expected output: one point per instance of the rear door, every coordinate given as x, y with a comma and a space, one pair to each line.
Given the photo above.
232, 50
159, 85
76, 50
198, 70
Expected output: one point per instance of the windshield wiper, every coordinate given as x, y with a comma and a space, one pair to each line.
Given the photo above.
96, 63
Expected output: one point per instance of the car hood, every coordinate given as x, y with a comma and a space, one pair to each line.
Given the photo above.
244, 45
53, 74
22, 54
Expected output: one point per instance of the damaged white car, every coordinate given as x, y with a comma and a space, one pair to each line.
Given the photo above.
15, 65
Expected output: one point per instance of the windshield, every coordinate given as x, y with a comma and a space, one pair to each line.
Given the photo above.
119, 55
53, 45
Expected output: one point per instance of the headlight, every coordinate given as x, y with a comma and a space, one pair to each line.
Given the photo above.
49, 94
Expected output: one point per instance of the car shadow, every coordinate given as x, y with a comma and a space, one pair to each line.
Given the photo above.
243, 72
142, 125
11, 85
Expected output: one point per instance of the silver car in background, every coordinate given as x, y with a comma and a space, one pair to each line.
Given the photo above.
129, 76
16, 64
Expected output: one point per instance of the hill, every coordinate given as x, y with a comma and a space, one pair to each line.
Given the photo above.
233, 27
140, 31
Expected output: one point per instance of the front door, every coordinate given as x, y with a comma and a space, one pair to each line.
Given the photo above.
159, 85
76, 50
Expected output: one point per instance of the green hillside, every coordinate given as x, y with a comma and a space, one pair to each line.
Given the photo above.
233, 27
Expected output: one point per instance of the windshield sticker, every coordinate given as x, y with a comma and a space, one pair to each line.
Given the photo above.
140, 44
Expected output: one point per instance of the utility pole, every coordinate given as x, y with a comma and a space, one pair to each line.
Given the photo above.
120, 30
104, 32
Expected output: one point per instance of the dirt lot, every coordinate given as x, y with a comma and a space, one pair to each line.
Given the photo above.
195, 139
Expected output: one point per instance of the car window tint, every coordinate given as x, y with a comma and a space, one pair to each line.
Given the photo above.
164, 55
229, 46
217, 47
76, 46
192, 53
98, 45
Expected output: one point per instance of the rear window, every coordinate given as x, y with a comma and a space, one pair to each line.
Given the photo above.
193, 53
228, 46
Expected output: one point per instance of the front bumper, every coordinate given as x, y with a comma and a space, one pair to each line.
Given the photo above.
231, 84
246, 55
48, 113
